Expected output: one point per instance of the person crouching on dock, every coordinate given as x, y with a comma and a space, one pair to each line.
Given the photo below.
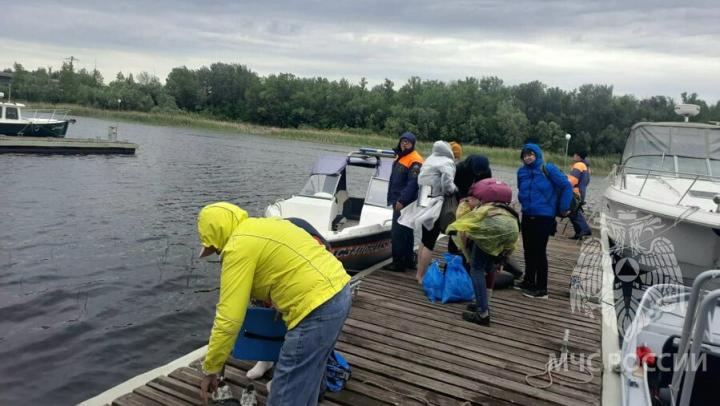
487, 234
272, 259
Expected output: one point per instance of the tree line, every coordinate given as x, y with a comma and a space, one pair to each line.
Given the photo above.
482, 111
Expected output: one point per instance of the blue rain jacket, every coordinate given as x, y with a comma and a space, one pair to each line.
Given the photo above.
537, 193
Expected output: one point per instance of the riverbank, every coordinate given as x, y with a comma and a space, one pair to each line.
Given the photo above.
601, 165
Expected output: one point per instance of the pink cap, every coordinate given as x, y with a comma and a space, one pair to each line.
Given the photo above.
491, 190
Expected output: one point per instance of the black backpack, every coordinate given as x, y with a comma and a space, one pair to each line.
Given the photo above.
575, 203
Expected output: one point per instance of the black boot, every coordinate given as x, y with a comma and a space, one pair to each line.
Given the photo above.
475, 317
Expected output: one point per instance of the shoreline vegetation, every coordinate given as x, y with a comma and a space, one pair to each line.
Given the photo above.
508, 157
485, 114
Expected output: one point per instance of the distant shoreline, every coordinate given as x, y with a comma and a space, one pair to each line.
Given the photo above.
601, 165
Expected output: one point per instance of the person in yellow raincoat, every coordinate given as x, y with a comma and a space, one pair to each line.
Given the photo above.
272, 259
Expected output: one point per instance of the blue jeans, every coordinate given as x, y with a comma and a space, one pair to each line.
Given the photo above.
579, 224
482, 263
403, 239
300, 370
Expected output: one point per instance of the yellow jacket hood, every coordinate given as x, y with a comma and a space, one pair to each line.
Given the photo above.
217, 222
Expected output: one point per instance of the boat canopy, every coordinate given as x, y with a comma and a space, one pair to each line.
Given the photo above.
329, 165
335, 165
692, 140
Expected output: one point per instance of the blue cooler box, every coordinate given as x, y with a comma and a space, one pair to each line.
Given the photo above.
261, 336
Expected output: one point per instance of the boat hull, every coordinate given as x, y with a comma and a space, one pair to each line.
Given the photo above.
361, 252
696, 247
56, 129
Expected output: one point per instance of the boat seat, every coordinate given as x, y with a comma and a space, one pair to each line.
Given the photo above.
353, 208
341, 197
704, 391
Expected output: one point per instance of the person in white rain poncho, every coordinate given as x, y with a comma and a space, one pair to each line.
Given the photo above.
435, 207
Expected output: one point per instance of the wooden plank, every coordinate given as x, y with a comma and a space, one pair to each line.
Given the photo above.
160, 397
556, 310
458, 356
507, 315
470, 335
177, 388
133, 399
454, 372
477, 347
387, 369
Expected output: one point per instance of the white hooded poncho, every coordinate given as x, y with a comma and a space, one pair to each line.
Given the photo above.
436, 180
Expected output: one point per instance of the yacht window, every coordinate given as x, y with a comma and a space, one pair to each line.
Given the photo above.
11, 113
668, 164
377, 192
715, 167
642, 163
692, 166
322, 186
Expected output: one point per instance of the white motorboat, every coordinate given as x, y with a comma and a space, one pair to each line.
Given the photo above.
345, 199
668, 183
671, 352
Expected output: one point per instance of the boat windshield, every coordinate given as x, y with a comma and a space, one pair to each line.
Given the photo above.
662, 305
377, 192
321, 186
681, 166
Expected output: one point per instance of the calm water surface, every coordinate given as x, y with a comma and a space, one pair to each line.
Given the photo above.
98, 276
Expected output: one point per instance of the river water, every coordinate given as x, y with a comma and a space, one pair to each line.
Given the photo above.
98, 276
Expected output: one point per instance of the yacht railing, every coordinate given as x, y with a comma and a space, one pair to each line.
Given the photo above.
622, 172
46, 114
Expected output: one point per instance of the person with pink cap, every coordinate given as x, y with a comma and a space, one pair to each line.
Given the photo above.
487, 233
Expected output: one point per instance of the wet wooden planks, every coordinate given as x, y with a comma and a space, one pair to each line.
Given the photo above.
405, 350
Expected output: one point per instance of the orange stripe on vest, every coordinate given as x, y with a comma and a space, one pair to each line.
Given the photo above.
410, 159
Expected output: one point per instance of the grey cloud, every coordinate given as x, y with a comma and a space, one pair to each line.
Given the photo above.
378, 38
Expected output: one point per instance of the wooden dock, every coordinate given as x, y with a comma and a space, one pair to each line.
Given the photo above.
405, 350
46, 145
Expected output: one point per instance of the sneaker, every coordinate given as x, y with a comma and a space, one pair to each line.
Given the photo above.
471, 307
521, 285
475, 317
580, 236
535, 293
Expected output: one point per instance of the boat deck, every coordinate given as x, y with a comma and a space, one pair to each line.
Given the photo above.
47, 145
405, 350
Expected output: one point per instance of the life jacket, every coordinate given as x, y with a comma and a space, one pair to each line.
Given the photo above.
579, 177
403, 185
410, 159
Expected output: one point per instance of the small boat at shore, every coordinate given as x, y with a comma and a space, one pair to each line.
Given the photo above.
32, 123
345, 199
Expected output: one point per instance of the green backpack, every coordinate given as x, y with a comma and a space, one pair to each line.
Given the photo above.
575, 203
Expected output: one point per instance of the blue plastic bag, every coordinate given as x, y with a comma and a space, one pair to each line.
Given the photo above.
458, 285
337, 372
433, 282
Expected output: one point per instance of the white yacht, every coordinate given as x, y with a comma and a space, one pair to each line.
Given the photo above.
670, 178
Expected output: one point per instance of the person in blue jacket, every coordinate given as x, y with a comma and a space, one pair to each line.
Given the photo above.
538, 194
403, 190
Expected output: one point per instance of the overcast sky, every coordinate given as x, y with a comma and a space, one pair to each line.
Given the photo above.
640, 47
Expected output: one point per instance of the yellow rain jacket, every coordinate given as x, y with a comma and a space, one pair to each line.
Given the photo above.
493, 229
266, 259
